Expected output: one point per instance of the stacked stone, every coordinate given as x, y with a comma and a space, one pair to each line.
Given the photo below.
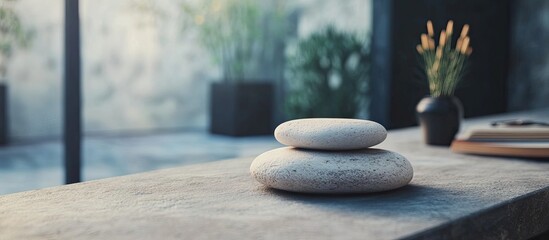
331, 155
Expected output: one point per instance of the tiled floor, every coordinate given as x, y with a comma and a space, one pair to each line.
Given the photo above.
33, 166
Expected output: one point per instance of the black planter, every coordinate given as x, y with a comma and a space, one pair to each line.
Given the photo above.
241, 109
439, 118
3, 114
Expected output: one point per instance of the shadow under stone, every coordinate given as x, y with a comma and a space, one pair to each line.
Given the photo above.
425, 202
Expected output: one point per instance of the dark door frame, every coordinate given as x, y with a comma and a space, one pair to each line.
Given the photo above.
72, 127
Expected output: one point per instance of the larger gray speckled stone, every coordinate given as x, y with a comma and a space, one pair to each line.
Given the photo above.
309, 171
330, 133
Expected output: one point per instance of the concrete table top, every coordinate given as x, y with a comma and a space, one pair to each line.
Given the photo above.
451, 196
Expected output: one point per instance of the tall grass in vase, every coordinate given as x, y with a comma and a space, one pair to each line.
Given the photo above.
444, 64
440, 114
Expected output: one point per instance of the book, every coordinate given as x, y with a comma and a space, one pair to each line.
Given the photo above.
523, 141
498, 134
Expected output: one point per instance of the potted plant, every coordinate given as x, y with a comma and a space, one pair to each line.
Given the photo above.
328, 75
239, 37
12, 35
440, 113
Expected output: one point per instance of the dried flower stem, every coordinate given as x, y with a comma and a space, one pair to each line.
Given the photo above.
430, 28
442, 40
450, 27
431, 44
464, 30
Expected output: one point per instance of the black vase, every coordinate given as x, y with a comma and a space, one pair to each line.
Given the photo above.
439, 118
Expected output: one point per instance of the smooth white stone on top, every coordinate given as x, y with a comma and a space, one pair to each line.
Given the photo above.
330, 133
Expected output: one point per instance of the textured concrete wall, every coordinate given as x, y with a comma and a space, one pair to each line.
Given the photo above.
34, 74
529, 68
139, 71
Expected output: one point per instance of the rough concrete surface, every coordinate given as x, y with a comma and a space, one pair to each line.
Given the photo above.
451, 196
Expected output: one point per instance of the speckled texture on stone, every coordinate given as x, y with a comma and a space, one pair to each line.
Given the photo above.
330, 133
308, 171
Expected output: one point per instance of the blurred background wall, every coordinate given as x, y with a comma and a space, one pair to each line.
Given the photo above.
508, 70
141, 71
34, 74
483, 89
529, 67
